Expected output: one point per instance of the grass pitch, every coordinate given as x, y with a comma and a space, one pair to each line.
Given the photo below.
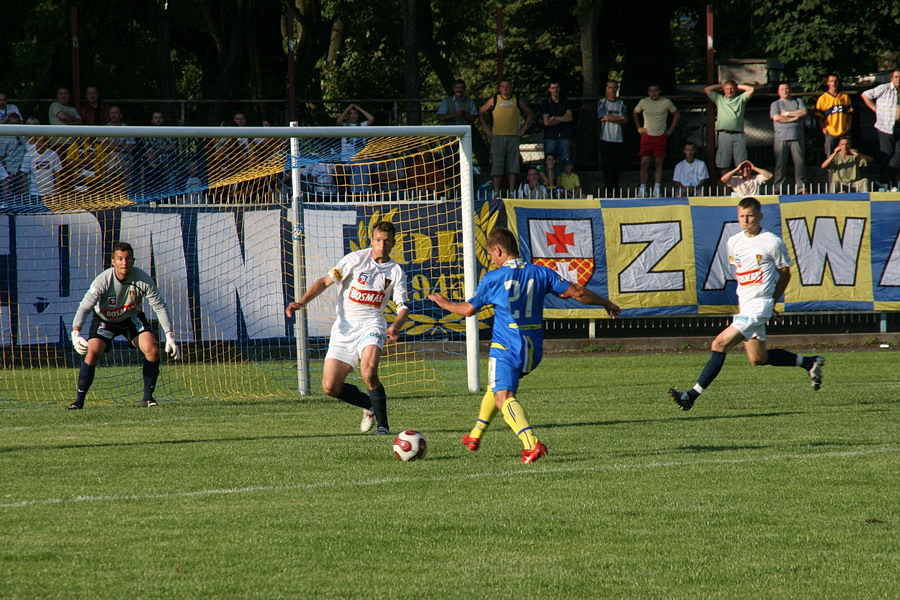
765, 489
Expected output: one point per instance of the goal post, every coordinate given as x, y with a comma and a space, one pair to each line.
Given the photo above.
232, 224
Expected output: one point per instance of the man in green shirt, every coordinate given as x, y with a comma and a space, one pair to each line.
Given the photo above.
731, 145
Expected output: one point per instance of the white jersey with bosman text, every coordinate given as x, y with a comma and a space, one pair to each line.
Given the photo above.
367, 285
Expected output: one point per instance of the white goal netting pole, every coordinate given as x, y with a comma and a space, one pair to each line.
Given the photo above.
301, 324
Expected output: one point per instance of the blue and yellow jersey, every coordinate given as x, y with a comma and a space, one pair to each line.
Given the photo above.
517, 290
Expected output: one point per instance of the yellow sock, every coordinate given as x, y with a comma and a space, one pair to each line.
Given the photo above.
485, 414
515, 417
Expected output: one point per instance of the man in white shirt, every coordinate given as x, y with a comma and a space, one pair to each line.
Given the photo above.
367, 279
763, 270
690, 174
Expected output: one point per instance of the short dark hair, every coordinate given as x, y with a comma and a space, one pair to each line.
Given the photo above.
459, 82
751, 202
503, 237
123, 247
727, 81
385, 226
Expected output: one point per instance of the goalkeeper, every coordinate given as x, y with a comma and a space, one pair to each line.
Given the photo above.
367, 280
516, 289
115, 297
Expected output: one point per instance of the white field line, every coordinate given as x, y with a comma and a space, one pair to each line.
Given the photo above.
519, 472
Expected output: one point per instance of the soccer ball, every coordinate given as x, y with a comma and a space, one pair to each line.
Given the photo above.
410, 445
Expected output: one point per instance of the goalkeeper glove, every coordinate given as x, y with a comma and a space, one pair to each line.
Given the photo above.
80, 344
171, 347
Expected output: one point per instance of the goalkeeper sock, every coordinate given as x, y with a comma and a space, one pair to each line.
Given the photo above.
515, 417
782, 358
485, 414
151, 374
85, 379
352, 395
379, 406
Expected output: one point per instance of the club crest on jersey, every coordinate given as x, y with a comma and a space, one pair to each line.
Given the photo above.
564, 245
362, 278
112, 301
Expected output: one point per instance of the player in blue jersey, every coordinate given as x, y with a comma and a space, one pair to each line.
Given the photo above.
516, 289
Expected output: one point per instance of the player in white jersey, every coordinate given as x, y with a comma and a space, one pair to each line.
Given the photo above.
763, 270
368, 279
115, 297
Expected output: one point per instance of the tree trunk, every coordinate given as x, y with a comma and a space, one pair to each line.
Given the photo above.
587, 12
411, 76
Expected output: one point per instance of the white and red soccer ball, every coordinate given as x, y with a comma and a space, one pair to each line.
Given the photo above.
410, 445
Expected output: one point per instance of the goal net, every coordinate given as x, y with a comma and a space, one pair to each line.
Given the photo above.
232, 223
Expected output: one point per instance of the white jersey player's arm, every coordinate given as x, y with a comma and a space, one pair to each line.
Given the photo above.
319, 285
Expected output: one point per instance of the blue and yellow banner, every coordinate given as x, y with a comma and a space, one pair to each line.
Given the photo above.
667, 255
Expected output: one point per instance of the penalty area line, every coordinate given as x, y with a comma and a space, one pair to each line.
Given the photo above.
550, 470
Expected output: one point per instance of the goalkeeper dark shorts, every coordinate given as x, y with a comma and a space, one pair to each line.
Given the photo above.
129, 328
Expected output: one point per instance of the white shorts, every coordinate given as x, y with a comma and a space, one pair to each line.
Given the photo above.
752, 319
349, 338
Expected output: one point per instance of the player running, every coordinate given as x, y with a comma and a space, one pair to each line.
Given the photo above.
516, 289
762, 267
368, 279
115, 297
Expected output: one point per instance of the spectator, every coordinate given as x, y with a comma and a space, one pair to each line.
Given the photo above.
569, 180
507, 127
63, 113
742, 180
612, 116
121, 150
787, 114
654, 134
557, 117
159, 154
844, 164
356, 177
12, 154
834, 112
42, 164
731, 145
883, 101
690, 174
94, 111
457, 109
549, 173
7, 109
532, 186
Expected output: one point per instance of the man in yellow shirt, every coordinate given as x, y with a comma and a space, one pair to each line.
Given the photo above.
504, 132
835, 114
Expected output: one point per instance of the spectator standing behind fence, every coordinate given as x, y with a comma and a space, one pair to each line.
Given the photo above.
63, 113
506, 129
746, 179
834, 112
690, 174
787, 114
549, 173
94, 111
12, 155
457, 109
7, 109
612, 115
655, 110
885, 103
844, 164
355, 177
731, 144
557, 116
159, 153
42, 164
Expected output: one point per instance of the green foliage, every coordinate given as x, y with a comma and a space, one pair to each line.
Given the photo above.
765, 489
814, 39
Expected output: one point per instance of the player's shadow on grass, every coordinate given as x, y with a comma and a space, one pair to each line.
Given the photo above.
222, 440
668, 420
